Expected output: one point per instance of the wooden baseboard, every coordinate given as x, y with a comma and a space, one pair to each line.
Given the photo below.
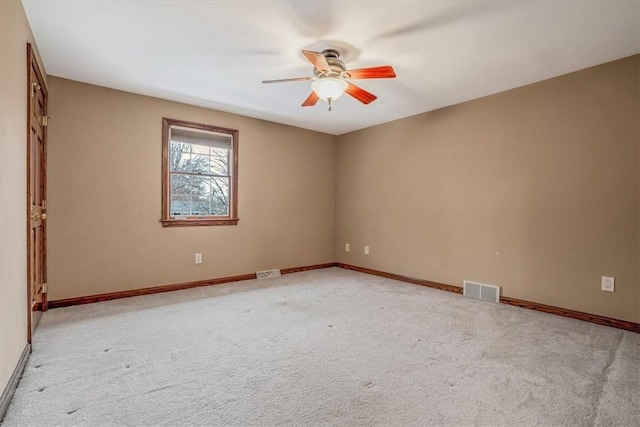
307, 268
11, 386
421, 282
565, 312
89, 299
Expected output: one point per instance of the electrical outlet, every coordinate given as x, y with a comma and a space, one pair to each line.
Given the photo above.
608, 284
198, 259
366, 250
346, 247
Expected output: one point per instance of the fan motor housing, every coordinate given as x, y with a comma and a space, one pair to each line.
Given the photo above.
334, 61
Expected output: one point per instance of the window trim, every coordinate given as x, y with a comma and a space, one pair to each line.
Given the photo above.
166, 218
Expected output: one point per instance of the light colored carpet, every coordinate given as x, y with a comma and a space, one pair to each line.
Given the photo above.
325, 347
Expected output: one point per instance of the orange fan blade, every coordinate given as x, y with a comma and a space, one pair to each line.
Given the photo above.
311, 100
383, 72
317, 59
295, 79
360, 94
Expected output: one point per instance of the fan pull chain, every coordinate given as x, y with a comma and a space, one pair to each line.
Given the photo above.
329, 100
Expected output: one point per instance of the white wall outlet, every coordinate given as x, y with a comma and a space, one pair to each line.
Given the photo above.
366, 250
608, 284
198, 258
346, 247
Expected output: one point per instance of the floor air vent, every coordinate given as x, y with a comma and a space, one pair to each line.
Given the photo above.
267, 274
481, 291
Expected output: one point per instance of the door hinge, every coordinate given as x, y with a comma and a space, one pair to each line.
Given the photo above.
45, 120
45, 288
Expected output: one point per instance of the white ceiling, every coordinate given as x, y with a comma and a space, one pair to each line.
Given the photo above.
216, 53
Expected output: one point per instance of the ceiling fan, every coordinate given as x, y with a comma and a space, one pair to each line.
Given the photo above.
330, 78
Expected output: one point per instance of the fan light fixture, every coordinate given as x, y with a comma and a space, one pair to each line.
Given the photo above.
329, 73
329, 88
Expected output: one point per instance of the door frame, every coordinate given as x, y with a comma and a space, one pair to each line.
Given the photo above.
32, 63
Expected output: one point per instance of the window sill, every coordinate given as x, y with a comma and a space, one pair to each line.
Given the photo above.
198, 222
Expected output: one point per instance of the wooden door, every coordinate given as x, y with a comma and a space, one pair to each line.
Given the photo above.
36, 193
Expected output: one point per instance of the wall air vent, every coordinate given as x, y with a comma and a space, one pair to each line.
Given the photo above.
267, 274
481, 291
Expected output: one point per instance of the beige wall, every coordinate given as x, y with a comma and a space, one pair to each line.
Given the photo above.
104, 196
535, 189
14, 36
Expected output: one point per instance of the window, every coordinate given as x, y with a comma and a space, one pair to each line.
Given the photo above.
199, 174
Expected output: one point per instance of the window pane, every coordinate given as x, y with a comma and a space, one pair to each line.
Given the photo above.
219, 161
219, 196
199, 195
180, 205
179, 156
199, 164
201, 207
182, 159
180, 185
